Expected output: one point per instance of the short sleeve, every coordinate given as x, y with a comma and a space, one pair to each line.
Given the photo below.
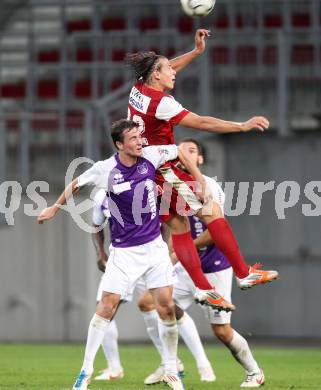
98, 216
217, 192
170, 110
98, 174
160, 154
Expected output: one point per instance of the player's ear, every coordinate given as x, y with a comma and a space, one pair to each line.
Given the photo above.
200, 160
119, 145
156, 74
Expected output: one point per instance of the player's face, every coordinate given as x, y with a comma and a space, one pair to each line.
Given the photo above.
133, 143
165, 74
191, 151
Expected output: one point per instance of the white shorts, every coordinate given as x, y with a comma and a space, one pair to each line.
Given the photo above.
148, 263
184, 291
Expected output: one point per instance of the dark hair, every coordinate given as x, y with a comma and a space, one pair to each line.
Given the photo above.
195, 142
118, 128
142, 63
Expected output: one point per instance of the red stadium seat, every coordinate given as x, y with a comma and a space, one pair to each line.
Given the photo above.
302, 54
109, 24
270, 55
221, 21
82, 89
185, 25
149, 24
301, 20
43, 123
13, 91
48, 89
118, 55
49, 56
246, 55
78, 25
75, 118
220, 55
84, 54
272, 21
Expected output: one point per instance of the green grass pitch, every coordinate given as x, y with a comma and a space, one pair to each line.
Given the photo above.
54, 367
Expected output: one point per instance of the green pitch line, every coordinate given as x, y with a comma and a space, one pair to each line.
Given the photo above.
54, 367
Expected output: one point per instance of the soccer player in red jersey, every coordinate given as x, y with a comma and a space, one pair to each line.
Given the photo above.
157, 113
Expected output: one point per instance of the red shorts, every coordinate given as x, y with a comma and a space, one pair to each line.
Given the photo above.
177, 192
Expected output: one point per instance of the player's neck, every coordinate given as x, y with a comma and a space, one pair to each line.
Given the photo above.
156, 86
127, 160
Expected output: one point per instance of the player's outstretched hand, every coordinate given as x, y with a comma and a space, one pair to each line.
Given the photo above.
47, 213
257, 122
200, 36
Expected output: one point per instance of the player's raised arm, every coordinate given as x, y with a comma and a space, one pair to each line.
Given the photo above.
215, 125
182, 61
50, 212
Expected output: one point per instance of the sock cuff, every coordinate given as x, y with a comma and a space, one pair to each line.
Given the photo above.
99, 322
149, 314
168, 323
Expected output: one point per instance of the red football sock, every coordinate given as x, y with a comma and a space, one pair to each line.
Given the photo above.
187, 254
224, 239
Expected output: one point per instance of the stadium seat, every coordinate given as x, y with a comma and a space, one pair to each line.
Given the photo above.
149, 24
82, 89
118, 55
109, 24
84, 54
272, 21
43, 123
302, 54
78, 25
246, 55
13, 91
270, 55
49, 56
301, 20
171, 52
220, 55
221, 21
48, 89
185, 25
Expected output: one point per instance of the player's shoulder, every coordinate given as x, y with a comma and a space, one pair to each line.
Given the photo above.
100, 197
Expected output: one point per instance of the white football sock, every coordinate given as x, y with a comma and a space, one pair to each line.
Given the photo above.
242, 353
96, 333
169, 337
110, 346
188, 331
151, 322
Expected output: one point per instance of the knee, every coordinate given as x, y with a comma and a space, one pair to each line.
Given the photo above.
223, 333
166, 310
106, 308
145, 304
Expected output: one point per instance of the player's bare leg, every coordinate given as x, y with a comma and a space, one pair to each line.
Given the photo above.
223, 237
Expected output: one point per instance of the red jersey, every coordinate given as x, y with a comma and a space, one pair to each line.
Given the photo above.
156, 113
